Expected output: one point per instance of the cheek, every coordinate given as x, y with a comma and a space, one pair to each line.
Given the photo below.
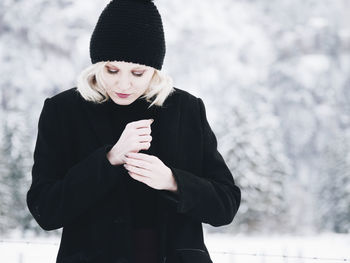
108, 79
141, 81
141, 85
146, 79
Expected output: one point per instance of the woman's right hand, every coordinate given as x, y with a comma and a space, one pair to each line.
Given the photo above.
135, 137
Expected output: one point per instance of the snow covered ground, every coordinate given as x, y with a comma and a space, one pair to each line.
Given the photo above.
307, 249
242, 249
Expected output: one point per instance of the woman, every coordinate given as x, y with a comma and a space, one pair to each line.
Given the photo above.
129, 178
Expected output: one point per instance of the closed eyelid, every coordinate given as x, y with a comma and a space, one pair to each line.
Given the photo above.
135, 73
115, 68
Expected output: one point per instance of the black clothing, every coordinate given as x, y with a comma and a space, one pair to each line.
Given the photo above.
76, 188
146, 245
142, 197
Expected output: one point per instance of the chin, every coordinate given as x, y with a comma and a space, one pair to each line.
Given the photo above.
126, 101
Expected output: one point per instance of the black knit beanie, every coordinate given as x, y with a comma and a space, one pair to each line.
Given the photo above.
130, 31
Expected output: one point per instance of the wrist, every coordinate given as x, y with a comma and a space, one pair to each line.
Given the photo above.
173, 185
109, 157
112, 159
173, 189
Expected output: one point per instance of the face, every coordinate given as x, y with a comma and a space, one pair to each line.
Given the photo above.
126, 78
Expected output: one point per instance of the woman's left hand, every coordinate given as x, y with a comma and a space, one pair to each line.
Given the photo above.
150, 170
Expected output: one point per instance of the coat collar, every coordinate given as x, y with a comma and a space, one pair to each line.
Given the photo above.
168, 122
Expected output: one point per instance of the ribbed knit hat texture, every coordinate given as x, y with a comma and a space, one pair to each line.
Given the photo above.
130, 31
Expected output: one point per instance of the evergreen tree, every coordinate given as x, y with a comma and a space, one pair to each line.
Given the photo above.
334, 189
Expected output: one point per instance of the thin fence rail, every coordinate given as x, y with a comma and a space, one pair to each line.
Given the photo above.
280, 256
211, 252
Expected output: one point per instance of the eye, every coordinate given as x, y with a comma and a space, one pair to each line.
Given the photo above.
112, 71
137, 74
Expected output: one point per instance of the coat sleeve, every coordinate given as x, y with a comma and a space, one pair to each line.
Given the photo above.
58, 195
213, 197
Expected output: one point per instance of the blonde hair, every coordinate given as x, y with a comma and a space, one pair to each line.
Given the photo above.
92, 88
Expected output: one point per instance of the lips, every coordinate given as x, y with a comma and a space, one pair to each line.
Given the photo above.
122, 95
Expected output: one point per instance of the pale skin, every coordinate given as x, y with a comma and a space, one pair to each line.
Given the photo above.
134, 79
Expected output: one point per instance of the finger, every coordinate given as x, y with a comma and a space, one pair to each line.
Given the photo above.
140, 123
143, 131
141, 156
140, 178
138, 163
145, 138
138, 170
143, 146
137, 176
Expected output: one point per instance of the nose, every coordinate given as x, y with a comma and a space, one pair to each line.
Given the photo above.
124, 84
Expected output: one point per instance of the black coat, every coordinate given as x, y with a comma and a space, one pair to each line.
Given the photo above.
74, 186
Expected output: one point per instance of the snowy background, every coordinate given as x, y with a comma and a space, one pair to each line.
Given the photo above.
275, 78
